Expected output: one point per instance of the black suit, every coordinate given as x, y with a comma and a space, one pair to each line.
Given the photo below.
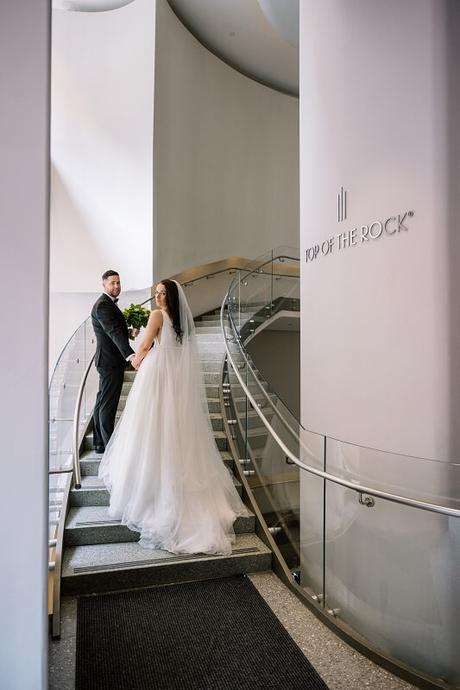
111, 352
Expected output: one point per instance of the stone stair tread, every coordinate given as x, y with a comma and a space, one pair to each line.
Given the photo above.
93, 488
93, 483
89, 455
90, 483
257, 431
84, 517
225, 455
92, 456
103, 557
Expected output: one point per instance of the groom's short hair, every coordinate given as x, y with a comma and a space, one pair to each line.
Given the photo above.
107, 274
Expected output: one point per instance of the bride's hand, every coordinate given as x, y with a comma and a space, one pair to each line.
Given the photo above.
136, 362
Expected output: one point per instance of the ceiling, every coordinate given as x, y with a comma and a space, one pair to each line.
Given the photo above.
257, 37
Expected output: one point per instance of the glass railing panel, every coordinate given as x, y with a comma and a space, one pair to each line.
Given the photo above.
60, 440
63, 393
392, 575
255, 301
251, 289
311, 515
273, 480
418, 478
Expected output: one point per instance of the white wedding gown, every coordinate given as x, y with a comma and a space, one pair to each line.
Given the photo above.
162, 468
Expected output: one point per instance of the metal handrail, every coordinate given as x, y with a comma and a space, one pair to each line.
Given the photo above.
75, 434
359, 488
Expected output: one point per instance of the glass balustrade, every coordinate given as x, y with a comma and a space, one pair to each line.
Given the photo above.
382, 564
63, 392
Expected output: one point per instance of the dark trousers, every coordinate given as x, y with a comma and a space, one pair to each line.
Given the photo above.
105, 409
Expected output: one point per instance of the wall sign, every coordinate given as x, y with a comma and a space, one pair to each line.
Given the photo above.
362, 234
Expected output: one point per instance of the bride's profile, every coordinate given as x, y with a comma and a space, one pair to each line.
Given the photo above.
162, 467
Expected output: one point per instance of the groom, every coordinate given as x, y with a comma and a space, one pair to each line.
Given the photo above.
113, 354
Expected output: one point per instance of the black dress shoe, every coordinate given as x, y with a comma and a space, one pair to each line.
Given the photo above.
99, 451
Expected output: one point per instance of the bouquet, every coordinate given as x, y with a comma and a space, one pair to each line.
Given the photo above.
136, 318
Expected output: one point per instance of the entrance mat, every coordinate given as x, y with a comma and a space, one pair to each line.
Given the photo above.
212, 635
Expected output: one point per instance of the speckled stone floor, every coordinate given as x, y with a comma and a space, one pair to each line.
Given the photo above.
341, 667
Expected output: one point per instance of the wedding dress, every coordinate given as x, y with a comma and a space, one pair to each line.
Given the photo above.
164, 473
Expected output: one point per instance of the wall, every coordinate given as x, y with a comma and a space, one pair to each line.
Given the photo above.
102, 158
277, 356
226, 157
380, 100
101, 146
379, 107
24, 165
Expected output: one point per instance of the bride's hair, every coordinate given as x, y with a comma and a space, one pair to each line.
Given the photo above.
172, 302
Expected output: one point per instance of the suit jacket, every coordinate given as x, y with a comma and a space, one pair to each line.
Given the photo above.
111, 332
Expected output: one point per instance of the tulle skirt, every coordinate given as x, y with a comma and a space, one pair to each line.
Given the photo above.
164, 473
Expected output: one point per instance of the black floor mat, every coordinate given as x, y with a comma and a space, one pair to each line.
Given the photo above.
213, 635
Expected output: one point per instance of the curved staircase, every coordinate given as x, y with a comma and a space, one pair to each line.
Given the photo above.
101, 554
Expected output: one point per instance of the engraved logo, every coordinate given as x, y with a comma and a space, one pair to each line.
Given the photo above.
341, 205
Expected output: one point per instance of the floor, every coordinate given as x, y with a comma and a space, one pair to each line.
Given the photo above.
341, 667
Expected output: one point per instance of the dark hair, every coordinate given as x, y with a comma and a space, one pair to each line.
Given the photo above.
172, 302
107, 274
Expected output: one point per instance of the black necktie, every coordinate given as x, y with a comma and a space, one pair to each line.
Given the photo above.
115, 300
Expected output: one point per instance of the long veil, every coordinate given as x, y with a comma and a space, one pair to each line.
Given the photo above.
192, 399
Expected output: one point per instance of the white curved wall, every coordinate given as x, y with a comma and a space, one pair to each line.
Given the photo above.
226, 157
381, 330
102, 146
102, 153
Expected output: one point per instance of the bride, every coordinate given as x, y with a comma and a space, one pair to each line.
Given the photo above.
162, 468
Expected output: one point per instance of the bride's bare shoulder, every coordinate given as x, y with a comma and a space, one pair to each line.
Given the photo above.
156, 317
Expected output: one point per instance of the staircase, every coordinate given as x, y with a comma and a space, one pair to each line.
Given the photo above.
101, 554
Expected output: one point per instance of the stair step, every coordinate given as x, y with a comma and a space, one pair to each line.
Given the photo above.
212, 364
215, 355
213, 405
254, 421
217, 422
208, 323
89, 462
93, 525
110, 567
204, 338
206, 348
212, 390
212, 318
212, 381
94, 493
204, 328
257, 437
212, 377
240, 401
